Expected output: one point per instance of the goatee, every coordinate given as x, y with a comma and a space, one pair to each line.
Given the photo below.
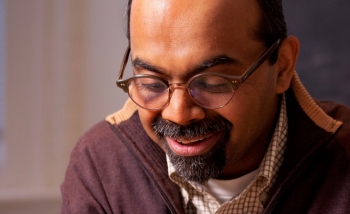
202, 167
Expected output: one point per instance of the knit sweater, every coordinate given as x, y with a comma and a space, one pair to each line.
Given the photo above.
116, 168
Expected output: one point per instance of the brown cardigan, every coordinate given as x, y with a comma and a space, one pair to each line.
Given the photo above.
116, 168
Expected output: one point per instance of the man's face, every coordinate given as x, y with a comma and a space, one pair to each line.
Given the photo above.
175, 37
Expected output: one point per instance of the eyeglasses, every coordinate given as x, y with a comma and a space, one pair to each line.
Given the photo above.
208, 90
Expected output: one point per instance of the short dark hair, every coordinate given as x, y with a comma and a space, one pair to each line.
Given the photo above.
272, 25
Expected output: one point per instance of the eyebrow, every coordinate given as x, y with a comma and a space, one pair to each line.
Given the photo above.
137, 62
202, 66
216, 61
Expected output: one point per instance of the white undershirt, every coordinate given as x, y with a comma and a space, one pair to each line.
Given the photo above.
225, 190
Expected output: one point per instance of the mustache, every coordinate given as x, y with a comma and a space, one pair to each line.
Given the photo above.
165, 128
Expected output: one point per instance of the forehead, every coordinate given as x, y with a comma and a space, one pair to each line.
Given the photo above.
178, 27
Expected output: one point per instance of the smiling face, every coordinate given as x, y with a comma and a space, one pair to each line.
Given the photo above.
174, 37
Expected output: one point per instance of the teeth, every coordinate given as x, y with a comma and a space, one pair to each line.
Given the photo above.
185, 141
190, 141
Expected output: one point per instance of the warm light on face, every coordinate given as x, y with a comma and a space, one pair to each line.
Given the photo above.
208, 90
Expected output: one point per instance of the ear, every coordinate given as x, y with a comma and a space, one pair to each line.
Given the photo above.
286, 62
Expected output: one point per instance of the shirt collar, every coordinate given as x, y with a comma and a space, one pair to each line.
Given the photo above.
269, 165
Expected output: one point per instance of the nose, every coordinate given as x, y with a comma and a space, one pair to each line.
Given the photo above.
181, 109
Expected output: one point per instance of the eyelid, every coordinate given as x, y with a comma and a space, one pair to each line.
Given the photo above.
136, 69
234, 69
148, 72
142, 70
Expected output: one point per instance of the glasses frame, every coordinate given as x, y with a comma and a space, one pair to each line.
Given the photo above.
233, 79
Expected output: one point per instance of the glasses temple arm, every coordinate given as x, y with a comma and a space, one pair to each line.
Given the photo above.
123, 65
262, 59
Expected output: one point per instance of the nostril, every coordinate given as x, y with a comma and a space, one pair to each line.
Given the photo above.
182, 110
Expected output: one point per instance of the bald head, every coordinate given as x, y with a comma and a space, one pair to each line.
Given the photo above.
182, 26
183, 20
271, 27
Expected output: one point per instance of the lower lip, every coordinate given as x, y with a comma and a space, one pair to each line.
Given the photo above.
193, 149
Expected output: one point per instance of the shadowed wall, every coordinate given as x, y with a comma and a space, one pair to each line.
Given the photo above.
323, 28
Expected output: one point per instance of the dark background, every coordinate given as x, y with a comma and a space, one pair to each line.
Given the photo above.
323, 28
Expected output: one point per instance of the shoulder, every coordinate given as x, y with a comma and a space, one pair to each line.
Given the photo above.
98, 140
97, 134
105, 136
105, 142
96, 150
341, 113
110, 167
336, 110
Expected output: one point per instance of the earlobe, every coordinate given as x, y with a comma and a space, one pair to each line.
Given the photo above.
286, 62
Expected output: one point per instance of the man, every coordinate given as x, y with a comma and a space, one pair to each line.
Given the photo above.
218, 121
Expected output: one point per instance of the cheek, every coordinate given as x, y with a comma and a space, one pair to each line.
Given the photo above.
251, 111
240, 112
147, 117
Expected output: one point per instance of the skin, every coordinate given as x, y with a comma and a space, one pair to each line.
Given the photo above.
175, 36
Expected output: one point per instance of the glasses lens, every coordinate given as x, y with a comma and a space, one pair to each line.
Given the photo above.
148, 92
211, 91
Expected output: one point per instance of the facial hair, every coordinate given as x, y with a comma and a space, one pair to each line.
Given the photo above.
202, 167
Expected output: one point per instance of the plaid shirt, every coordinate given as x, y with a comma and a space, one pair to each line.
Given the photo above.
253, 198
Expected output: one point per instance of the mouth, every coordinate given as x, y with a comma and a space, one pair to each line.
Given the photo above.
192, 141
193, 147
